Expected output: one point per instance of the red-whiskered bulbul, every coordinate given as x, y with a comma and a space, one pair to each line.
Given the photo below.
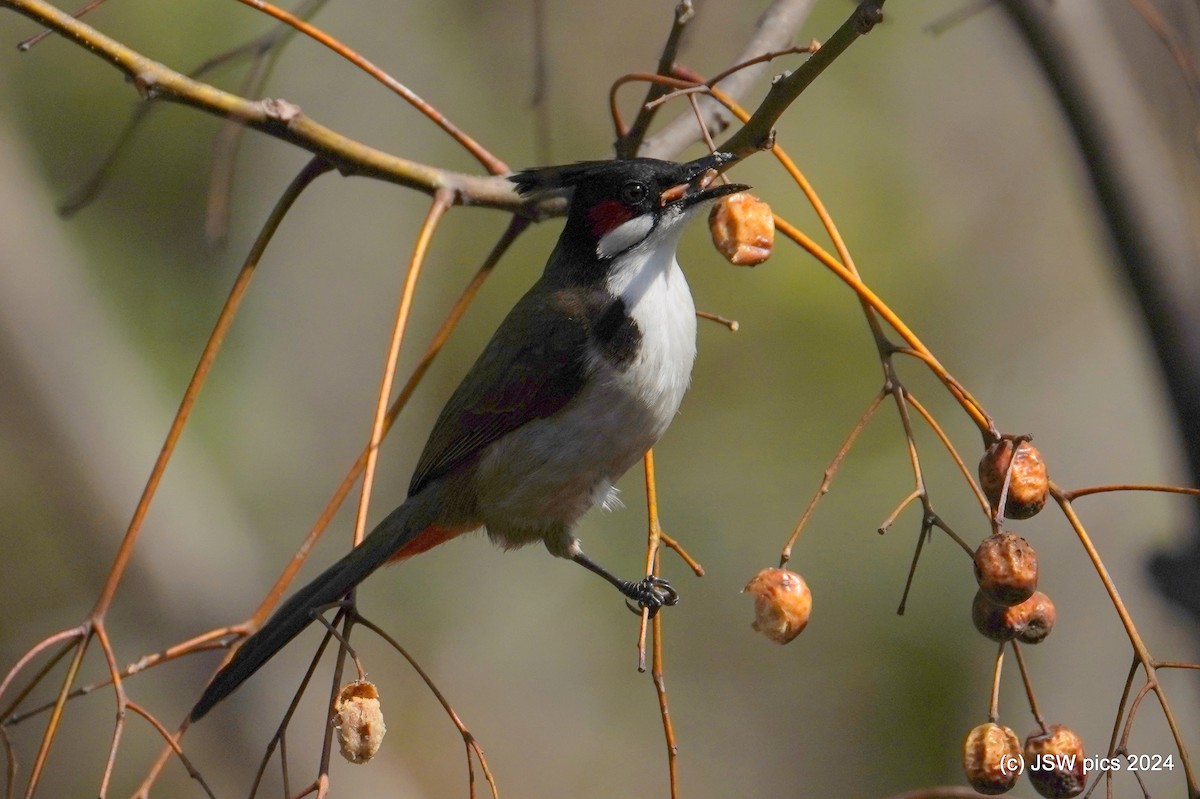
578, 382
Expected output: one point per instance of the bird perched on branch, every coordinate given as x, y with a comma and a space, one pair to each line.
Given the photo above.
581, 378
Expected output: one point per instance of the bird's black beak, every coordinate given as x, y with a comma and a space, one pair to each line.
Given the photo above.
696, 184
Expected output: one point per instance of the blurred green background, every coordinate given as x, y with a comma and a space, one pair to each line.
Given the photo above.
947, 166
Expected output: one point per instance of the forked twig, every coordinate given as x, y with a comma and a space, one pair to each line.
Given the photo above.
630, 140
226, 141
1141, 651
165, 734
468, 738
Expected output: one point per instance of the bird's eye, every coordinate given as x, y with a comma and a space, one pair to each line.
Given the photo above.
633, 193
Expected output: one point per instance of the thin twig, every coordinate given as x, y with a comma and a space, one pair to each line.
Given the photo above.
60, 702
437, 210
209, 640
1028, 683
315, 168
784, 91
775, 29
887, 523
466, 734
1117, 721
1141, 651
10, 761
192, 771
69, 638
1084, 492
657, 670
922, 537
226, 140
516, 226
280, 736
653, 538
265, 53
671, 544
311, 171
827, 478
703, 88
488, 161
628, 141
950, 448
867, 294
994, 703
280, 119
731, 324
29, 43
122, 703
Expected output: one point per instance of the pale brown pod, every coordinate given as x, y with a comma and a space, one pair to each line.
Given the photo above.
1028, 486
1054, 761
991, 758
742, 228
782, 604
1006, 568
358, 720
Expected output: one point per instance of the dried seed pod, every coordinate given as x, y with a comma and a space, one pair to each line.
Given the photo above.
991, 758
358, 719
782, 604
1029, 622
743, 229
1054, 760
1038, 617
1006, 568
1028, 486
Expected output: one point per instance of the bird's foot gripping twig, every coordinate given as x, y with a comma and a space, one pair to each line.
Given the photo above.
650, 593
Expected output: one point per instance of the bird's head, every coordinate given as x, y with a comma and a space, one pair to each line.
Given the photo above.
616, 206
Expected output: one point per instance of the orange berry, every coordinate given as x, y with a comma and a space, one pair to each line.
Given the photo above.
743, 229
782, 604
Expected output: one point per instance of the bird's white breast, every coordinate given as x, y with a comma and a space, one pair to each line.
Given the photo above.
564, 464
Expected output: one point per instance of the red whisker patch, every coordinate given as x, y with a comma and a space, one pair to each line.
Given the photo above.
605, 216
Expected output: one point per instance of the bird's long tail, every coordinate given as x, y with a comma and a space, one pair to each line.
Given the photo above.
399, 535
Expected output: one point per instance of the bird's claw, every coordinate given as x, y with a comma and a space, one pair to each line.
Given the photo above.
649, 594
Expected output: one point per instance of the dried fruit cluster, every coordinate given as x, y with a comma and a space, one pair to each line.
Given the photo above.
1008, 607
1053, 757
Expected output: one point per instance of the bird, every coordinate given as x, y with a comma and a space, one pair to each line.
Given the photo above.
579, 381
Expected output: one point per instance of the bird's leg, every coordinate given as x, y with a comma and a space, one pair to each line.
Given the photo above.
649, 593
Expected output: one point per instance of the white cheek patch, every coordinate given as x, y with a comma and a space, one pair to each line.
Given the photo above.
624, 236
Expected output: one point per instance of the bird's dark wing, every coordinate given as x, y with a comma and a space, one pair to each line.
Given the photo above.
523, 374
